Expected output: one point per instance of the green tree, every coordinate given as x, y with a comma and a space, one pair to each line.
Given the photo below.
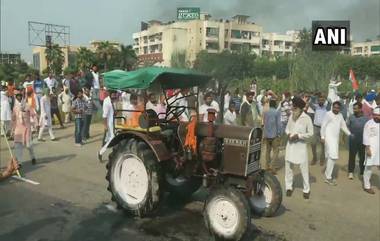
226, 67
55, 59
311, 70
128, 57
107, 56
85, 58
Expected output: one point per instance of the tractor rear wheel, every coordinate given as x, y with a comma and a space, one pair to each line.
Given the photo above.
227, 213
266, 197
134, 177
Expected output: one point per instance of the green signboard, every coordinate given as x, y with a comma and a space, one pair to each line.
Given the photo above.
188, 13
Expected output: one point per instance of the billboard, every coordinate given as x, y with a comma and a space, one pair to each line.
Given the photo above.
188, 13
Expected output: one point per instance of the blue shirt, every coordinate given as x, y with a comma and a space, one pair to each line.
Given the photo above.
38, 86
272, 123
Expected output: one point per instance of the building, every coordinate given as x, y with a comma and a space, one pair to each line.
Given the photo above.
367, 48
159, 41
69, 52
39, 57
6, 58
274, 44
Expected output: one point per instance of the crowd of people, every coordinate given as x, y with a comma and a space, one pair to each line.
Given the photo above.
293, 121
32, 106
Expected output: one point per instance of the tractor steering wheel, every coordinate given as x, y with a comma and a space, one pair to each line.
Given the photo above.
175, 112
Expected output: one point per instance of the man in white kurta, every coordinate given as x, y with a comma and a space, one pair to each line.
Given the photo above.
371, 139
45, 117
299, 131
108, 114
5, 111
332, 123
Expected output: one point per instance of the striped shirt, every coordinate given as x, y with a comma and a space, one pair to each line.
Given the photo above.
89, 104
79, 105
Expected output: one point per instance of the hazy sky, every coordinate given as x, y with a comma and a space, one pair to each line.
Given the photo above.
118, 19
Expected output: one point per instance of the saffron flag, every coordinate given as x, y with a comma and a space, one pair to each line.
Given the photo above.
354, 82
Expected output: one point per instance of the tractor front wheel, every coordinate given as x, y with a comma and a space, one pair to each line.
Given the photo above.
266, 196
227, 213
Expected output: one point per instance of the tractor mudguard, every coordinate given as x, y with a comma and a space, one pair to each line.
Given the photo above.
157, 146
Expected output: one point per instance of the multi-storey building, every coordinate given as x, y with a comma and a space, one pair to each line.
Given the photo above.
368, 48
274, 44
69, 53
39, 57
8, 58
160, 41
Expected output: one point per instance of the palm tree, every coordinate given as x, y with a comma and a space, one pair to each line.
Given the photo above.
85, 58
128, 58
107, 55
55, 59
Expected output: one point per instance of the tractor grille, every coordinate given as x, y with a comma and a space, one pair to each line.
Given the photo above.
255, 147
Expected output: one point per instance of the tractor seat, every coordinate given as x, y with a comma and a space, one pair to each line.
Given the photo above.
130, 128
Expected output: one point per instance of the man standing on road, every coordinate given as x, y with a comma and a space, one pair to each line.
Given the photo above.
87, 114
38, 87
64, 99
45, 116
356, 124
79, 108
299, 130
95, 77
50, 81
320, 110
5, 111
330, 132
272, 133
23, 118
108, 114
371, 139
54, 110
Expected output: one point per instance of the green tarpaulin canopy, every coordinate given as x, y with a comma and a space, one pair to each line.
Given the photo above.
169, 78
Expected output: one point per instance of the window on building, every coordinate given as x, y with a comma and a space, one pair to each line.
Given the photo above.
145, 50
236, 47
278, 42
36, 61
226, 33
255, 34
235, 34
212, 32
288, 45
212, 45
375, 48
245, 35
358, 50
265, 42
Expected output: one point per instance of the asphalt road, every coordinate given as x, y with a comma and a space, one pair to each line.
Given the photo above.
72, 203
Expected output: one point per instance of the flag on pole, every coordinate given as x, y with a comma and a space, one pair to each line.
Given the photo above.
354, 82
